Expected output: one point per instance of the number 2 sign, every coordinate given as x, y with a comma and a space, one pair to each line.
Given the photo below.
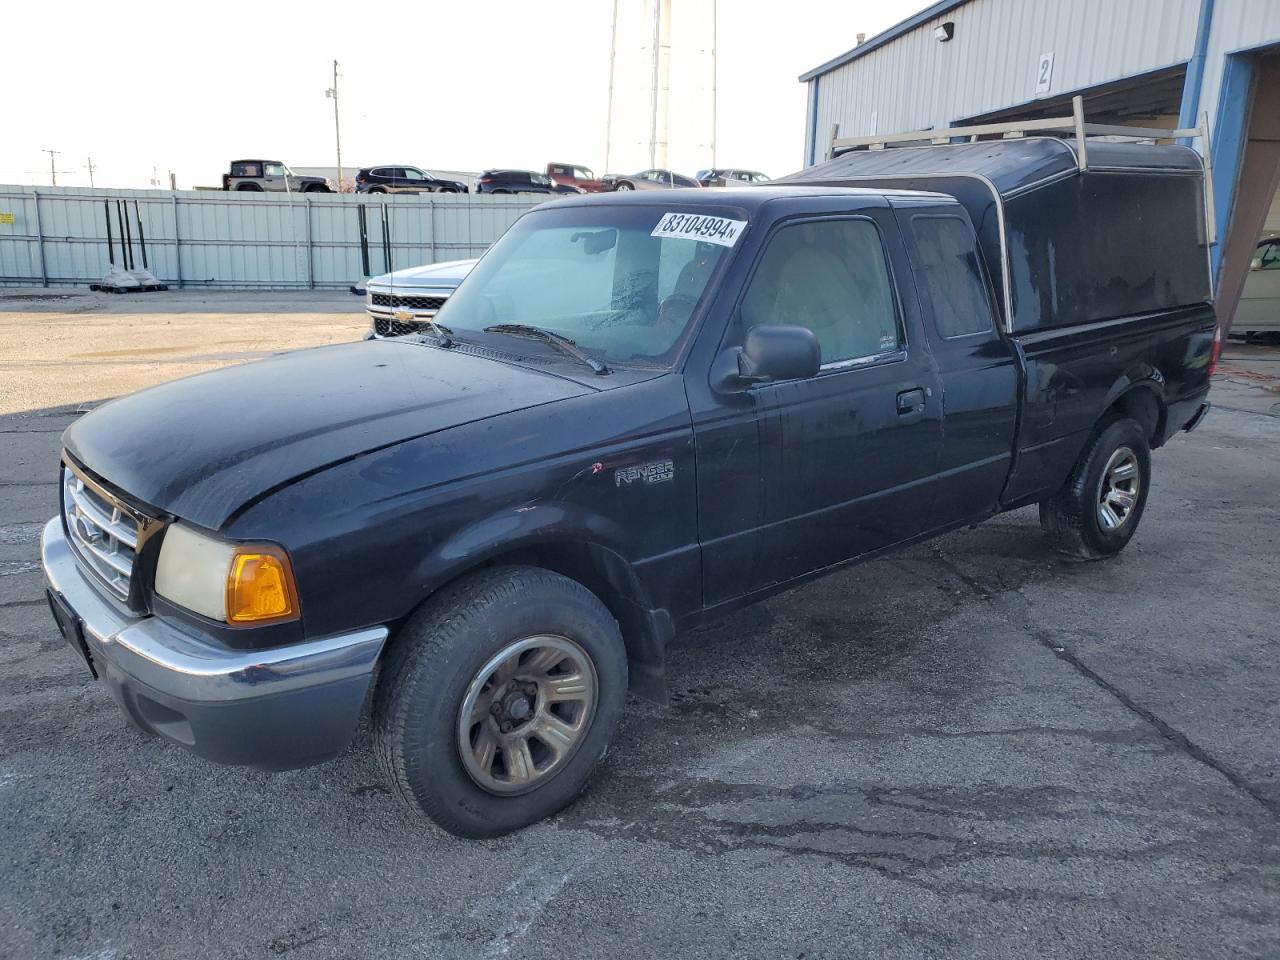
1044, 73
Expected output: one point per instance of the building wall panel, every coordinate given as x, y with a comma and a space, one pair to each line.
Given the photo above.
914, 82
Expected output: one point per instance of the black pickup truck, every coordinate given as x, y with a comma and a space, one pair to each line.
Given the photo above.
637, 413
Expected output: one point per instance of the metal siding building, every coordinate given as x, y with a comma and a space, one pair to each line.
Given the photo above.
1151, 63
910, 81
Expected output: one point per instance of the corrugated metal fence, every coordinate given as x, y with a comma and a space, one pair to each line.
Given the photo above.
58, 235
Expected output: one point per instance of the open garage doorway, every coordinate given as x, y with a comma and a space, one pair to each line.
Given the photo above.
1249, 279
1148, 100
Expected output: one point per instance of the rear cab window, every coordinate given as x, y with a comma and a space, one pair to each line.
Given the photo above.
951, 276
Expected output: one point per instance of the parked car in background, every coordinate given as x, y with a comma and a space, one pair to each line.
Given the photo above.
263, 176
1259, 309
405, 301
572, 175
723, 177
400, 179
647, 180
520, 181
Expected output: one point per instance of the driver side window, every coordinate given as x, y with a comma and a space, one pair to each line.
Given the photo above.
831, 277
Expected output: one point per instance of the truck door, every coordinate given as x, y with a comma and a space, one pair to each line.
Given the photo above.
976, 365
846, 460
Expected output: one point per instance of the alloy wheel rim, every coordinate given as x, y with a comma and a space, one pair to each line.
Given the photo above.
1119, 489
525, 713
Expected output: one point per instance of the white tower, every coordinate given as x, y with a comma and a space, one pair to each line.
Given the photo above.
662, 86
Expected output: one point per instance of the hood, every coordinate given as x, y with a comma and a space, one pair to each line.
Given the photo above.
447, 274
202, 447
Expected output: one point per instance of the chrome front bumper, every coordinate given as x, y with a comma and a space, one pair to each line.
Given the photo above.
278, 708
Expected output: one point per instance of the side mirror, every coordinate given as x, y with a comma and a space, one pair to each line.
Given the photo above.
1256, 264
779, 353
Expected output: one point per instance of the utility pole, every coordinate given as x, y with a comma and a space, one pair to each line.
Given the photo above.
332, 93
91, 173
653, 95
53, 170
613, 56
715, 43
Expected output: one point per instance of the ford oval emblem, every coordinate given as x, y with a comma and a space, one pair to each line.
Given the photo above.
87, 531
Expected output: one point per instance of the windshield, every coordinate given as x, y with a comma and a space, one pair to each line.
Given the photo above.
621, 282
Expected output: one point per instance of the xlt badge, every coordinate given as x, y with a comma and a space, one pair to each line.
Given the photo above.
655, 471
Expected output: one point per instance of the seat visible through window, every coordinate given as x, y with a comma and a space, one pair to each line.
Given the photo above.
831, 277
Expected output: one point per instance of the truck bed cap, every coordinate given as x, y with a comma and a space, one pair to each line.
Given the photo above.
746, 199
1064, 246
1010, 165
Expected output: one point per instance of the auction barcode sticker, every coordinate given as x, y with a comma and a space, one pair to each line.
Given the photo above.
697, 226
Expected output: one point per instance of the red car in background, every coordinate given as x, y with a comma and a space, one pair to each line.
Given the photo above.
574, 175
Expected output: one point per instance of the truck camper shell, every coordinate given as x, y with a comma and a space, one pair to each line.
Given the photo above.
1067, 240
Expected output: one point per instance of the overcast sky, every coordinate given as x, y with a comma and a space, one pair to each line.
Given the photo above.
459, 86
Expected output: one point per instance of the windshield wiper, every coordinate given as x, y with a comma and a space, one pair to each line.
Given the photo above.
564, 344
440, 330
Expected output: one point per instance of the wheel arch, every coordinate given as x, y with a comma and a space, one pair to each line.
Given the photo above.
1139, 395
581, 553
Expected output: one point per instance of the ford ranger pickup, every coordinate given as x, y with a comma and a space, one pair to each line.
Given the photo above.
639, 411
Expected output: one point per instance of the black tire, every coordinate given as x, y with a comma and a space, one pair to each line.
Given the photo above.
625, 185
1073, 518
250, 188
316, 188
377, 189
432, 667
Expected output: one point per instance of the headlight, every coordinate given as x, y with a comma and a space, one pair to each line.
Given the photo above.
237, 583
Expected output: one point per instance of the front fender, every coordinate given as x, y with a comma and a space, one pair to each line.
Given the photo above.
516, 529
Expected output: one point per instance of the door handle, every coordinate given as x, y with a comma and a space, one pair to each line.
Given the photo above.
910, 401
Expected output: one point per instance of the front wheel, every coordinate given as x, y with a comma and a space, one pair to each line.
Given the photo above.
498, 700
625, 186
1098, 509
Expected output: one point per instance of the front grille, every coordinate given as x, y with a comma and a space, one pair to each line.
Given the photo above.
394, 328
103, 531
409, 303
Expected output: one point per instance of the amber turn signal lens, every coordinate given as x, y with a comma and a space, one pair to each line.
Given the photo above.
260, 587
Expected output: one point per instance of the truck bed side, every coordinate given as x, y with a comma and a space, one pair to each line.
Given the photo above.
1153, 367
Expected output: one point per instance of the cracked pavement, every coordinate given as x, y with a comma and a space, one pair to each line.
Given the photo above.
972, 748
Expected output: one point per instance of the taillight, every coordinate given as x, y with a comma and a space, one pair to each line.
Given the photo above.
486, 179
1216, 351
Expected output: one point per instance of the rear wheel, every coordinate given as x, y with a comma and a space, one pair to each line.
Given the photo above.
250, 188
499, 699
1098, 509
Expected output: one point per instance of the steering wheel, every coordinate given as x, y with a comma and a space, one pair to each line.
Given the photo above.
674, 303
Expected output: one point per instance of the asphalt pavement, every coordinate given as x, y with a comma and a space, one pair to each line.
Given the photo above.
973, 748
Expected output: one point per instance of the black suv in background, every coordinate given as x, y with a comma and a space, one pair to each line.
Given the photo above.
520, 181
404, 180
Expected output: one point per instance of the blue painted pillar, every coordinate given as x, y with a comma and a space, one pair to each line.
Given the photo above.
813, 120
1189, 113
1228, 141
